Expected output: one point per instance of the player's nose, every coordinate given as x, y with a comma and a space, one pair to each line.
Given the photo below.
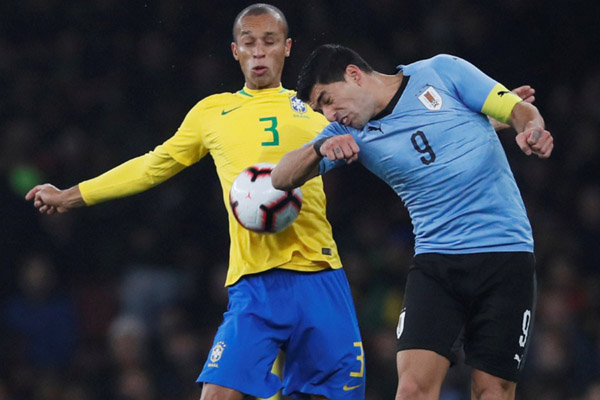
258, 50
329, 113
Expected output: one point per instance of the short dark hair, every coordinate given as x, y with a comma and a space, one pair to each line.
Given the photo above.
260, 9
327, 64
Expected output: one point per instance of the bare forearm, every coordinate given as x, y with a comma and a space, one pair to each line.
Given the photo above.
302, 164
525, 92
71, 198
532, 137
524, 116
295, 168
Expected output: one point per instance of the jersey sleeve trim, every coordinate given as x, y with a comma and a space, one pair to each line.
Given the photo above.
500, 103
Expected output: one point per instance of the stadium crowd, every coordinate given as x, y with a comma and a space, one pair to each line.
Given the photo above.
122, 301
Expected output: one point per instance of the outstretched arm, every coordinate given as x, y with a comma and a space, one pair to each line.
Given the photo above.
300, 165
527, 93
131, 177
532, 136
295, 168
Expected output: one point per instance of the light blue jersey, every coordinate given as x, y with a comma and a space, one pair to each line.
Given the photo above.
442, 157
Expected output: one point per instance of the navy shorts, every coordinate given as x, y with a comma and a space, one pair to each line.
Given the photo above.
484, 302
310, 316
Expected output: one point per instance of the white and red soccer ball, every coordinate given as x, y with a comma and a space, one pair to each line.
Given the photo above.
258, 206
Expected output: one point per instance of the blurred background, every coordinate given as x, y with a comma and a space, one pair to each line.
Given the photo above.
121, 300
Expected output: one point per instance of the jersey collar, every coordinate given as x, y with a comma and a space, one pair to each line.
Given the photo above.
261, 92
392, 104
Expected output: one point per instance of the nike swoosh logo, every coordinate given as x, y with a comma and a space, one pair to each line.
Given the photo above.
348, 388
502, 92
225, 112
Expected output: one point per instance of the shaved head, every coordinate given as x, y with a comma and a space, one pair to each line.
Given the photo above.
260, 9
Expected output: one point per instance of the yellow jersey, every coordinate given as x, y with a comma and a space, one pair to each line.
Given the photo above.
238, 130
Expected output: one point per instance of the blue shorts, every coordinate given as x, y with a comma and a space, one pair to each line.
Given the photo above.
310, 316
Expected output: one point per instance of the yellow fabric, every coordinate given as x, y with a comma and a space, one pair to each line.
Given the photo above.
238, 130
244, 128
500, 103
131, 177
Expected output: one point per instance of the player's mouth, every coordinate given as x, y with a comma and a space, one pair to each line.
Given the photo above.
259, 69
345, 121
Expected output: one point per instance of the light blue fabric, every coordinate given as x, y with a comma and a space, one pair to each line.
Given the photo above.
444, 159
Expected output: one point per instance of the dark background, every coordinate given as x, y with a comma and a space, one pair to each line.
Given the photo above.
122, 300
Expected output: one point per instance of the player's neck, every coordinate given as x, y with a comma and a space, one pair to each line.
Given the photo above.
385, 87
274, 85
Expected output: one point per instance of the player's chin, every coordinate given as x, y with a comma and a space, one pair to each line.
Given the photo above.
262, 80
357, 123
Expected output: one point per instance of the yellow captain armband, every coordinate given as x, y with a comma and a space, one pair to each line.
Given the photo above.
500, 103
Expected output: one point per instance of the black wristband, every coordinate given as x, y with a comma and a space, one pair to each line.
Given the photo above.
317, 146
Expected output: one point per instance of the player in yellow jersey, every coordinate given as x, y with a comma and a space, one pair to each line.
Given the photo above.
286, 290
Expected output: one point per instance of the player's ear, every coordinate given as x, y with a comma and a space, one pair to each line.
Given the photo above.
288, 46
354, 74
234, 50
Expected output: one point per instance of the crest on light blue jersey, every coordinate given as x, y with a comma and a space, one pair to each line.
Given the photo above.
431, 99
297, 105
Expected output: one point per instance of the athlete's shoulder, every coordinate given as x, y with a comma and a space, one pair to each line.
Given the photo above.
217, 102
449, 65
293, 96
220, 98
441, 60
435, 63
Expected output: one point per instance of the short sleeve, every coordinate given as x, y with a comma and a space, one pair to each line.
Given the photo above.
474, 88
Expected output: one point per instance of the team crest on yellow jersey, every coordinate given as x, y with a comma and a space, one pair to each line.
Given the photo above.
297, 105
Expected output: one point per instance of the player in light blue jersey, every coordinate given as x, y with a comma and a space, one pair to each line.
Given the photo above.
425, 132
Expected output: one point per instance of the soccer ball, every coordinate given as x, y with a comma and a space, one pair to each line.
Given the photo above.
258, 206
